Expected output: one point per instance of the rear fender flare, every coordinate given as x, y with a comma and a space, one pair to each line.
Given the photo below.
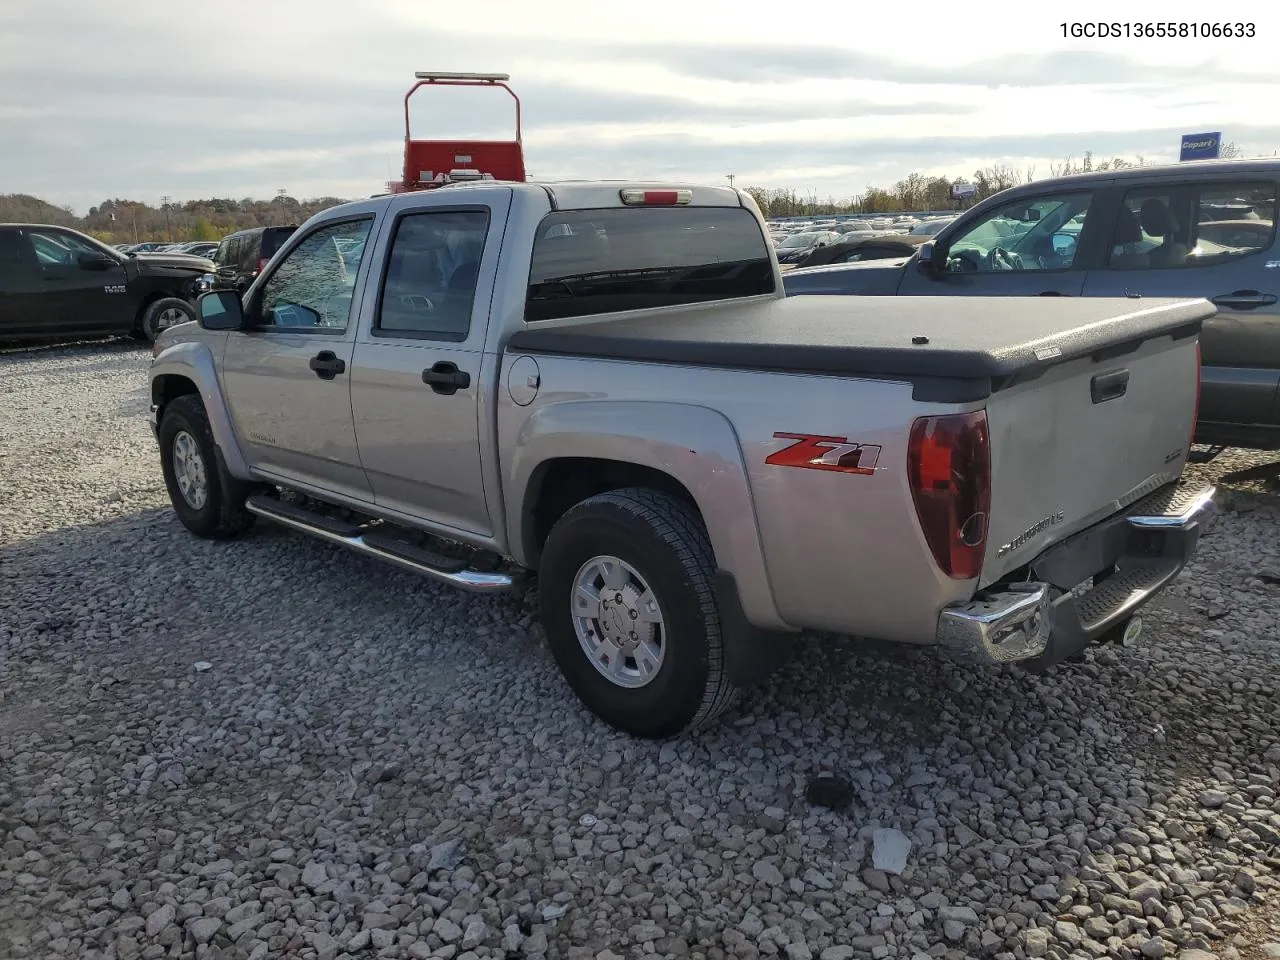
194, 362
694, 445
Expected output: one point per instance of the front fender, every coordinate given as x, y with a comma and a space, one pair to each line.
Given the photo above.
194, 361
694, 445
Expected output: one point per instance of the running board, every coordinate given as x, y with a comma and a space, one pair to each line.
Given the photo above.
407, 556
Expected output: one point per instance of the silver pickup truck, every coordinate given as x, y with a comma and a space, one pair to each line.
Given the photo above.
604, 384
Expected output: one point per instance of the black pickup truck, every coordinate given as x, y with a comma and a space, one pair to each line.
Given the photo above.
1203, 229
57, 283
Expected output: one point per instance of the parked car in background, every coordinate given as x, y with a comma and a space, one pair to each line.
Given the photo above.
241, 256
866, 247
197, 248
929, 228
1204, 229
797, 246
56, 282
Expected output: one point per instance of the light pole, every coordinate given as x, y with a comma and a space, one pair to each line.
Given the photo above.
164, 205
730, 178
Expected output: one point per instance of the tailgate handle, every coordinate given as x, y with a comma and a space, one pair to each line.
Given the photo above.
1108, 386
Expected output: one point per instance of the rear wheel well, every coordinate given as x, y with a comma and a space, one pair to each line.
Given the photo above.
559, 484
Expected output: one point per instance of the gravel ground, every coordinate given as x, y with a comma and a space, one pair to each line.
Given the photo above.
374, 766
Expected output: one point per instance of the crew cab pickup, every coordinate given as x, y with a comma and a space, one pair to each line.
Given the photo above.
603, 384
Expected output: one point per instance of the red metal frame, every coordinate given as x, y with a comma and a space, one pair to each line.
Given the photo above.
501, 159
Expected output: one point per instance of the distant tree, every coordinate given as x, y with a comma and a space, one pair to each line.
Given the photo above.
1230, 151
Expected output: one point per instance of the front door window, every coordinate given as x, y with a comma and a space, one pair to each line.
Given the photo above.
1038, 234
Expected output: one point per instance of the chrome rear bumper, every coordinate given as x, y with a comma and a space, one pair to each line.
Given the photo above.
1131, 555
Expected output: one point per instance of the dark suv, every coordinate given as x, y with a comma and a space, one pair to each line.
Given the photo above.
1199, 229
242, 255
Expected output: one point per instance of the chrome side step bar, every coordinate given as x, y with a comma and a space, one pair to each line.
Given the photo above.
353, 538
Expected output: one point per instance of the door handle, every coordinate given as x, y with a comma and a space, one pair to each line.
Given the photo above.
1245, 300
327, 364
445, 377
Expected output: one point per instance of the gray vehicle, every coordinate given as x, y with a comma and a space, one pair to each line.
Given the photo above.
605, 385
1186, 230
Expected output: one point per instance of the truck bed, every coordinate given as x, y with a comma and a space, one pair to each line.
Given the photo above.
973, 346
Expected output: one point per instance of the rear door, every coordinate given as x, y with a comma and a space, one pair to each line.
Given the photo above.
22, 304
1037, 245
287, 378
416, 379
1212, 238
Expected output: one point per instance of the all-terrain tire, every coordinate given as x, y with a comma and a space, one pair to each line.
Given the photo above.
221, 513
665, 542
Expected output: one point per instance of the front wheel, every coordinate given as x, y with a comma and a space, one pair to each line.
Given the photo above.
161, 315
208, 502
630, 612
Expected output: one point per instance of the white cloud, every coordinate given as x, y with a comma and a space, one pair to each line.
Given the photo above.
239, 98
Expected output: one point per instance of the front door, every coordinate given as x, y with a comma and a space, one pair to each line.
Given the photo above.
287, 376
417, 381
1213, 239
80, 296
1028, 247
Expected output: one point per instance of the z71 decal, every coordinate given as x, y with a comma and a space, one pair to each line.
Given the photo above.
825, 453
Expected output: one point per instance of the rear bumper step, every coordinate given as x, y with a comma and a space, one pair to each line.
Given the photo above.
1131, 555
377, 544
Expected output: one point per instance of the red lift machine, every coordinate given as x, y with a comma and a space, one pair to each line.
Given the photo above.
434, 163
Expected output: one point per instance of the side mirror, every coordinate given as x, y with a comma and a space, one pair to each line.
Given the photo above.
95, 261
1064, 245
220, 310
931, 259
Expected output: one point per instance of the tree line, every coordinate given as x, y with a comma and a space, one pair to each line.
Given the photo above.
130, 221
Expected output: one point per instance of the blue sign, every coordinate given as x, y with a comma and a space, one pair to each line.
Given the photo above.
1200, 146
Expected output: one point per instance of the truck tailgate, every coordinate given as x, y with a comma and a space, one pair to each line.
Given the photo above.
1084, 439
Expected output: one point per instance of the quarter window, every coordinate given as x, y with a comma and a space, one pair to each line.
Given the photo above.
430, 284
1041, 233
313, 285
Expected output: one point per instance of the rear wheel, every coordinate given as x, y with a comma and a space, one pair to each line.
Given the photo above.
208, 501
630, 612
161, 315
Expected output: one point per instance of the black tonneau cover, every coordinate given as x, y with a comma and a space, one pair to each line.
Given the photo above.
968, 345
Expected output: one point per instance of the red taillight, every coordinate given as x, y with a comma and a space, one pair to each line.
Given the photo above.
635, 197
949, 469
262, 264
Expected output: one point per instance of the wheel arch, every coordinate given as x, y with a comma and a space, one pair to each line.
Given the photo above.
186, 368
566, 452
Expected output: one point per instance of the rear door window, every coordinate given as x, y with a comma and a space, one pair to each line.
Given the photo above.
430, 283
1193, 225
273, 239
605, 261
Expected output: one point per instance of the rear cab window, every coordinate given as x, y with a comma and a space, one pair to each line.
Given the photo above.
589, 262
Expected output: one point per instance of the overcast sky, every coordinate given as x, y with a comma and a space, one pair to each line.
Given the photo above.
242, 97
